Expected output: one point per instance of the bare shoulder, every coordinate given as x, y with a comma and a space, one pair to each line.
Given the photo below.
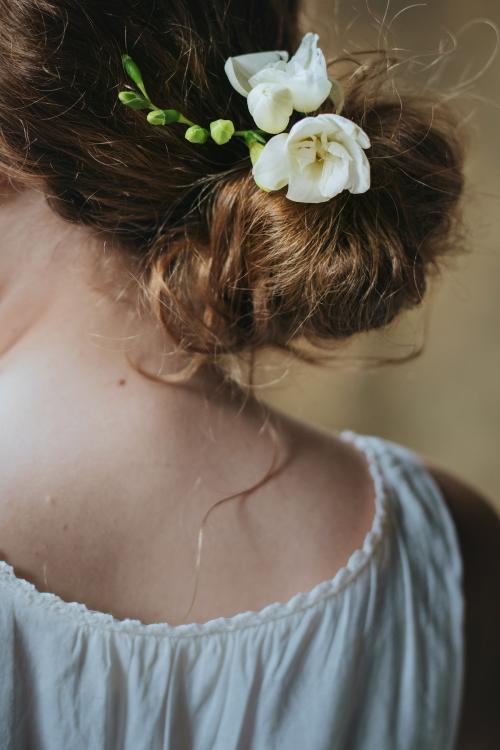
478, 529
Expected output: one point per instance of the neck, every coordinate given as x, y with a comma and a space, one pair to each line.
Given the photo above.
78, 421
62, 309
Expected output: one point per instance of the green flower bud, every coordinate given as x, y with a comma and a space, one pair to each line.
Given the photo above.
221, 131
196, 134
255, 149
162, 116
171, 115
133, 99
132, 70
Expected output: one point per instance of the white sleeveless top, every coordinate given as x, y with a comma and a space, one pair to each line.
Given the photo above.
372, 659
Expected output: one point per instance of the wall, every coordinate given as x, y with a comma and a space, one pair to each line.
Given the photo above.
445, 404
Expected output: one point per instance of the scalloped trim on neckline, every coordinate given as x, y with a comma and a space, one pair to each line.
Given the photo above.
297, 603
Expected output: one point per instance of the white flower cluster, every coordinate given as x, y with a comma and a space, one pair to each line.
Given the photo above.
321, 155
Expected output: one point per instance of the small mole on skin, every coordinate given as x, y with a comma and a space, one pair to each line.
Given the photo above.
122, 381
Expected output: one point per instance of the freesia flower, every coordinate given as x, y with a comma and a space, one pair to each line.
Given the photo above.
270, 105
320, 157
275, 86
241, 68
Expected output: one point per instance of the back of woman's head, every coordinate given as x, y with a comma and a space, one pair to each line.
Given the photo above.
226, 267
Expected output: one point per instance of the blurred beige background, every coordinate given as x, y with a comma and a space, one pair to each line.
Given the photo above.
445, 404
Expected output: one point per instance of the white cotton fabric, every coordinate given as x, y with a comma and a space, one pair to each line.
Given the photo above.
372, 659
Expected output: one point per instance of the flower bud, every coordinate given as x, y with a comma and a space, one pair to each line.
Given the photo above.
255, 149
133, 99
196, 134
162, 116
132, 70
221, 131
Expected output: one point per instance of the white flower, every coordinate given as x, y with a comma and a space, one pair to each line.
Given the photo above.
305, 75
241, 68
320, 157
270, 105
263, 77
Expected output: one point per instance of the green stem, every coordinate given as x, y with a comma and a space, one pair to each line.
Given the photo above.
185, 121
251, 136
146, 97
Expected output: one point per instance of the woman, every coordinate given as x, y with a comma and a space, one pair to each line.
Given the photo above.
346, 593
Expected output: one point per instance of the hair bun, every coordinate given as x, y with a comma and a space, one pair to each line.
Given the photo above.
267, 270
226, 267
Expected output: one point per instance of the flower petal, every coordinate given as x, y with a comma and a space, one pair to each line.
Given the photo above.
242, 67
339, 123
304, 153
310, 84
274, 73
270, 105
271, 169
305, 128
307, 50
303, 186
309, 92
335, 176
360, 172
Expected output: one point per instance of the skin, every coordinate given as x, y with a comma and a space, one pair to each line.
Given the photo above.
143, 462
106, 475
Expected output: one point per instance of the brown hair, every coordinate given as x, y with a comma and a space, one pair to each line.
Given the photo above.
226, 268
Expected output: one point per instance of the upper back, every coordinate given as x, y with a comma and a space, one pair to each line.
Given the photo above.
372, 657
97, 523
